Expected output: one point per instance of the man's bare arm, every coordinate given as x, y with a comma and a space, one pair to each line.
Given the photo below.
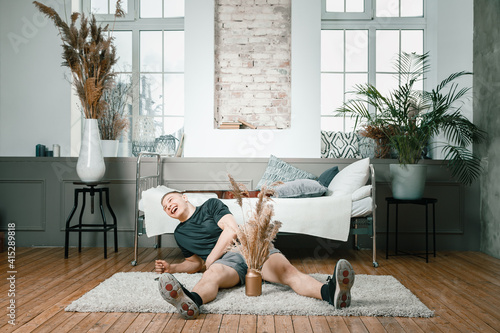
229, 226
192, 264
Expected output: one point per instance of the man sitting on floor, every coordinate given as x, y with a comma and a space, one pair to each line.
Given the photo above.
204, 234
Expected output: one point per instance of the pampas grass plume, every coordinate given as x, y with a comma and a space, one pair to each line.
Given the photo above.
256, 236
89, 54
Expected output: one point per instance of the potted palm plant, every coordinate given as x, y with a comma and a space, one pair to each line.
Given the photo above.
409, 118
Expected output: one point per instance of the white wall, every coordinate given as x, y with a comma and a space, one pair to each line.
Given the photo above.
34, 94
451, 47
303, 137
450, 43
35, 97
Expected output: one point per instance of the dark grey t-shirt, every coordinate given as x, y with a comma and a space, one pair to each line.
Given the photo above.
199, 234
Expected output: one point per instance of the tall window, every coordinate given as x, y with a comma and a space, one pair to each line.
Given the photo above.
150, 45
360, 40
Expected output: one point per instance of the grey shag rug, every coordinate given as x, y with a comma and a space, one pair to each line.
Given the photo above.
372, 295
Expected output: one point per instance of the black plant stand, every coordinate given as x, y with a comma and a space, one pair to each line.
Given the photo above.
92, 189
423, 202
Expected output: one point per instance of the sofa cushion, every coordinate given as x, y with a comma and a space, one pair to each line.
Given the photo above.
326, 177
300, 188
362, 192
351, 178
278, 170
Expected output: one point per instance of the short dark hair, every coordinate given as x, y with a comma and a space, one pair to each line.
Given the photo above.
175, 191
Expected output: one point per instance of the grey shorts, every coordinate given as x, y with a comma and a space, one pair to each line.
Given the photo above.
235, 260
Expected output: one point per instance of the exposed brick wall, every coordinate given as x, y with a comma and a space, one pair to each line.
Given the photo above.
252, 62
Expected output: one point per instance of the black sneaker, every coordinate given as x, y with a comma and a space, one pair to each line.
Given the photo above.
171, 291
339, 286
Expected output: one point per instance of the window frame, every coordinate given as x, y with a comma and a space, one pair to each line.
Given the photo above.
133, 23
129, 16
372, 25
367, 14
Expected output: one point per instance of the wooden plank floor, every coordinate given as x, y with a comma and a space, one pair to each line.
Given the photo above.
462, 287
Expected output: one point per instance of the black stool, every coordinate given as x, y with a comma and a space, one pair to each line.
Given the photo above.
425, 202
92, 189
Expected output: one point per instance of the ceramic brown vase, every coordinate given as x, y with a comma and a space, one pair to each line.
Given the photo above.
253, 283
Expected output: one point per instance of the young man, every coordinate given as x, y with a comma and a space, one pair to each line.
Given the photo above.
204, 234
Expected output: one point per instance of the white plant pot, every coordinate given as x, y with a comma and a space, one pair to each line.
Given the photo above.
408, 181
90, 166
109, 148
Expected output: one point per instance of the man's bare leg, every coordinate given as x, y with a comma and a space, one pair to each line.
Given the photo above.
337, 291
216, 277
279, 270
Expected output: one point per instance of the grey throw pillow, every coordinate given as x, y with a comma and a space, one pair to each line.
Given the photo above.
278, 170
300, 188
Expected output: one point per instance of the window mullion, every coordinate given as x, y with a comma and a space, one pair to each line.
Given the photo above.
133, 7
400, 49
163, 77
372, 60
135, 72
386, 23
343, 76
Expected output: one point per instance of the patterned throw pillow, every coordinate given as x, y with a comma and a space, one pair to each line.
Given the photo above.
366, 146
278, 170
339, 145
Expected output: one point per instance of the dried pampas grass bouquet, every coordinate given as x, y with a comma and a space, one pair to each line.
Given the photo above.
256, 236
90, 55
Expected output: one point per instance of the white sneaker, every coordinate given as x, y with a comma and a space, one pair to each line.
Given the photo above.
342, 281
171, 291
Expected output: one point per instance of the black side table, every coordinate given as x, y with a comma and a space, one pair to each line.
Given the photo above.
424, 202
92, 189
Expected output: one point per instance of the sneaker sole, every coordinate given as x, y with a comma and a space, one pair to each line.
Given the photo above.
344, 282
171, 291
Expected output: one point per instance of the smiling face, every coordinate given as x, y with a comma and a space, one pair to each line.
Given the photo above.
177, 206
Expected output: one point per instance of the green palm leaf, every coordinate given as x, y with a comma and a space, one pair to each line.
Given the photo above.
409, 117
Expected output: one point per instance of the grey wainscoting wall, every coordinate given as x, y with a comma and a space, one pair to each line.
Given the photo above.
37, 195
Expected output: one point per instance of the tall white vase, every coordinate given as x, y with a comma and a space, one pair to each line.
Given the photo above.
90, 166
